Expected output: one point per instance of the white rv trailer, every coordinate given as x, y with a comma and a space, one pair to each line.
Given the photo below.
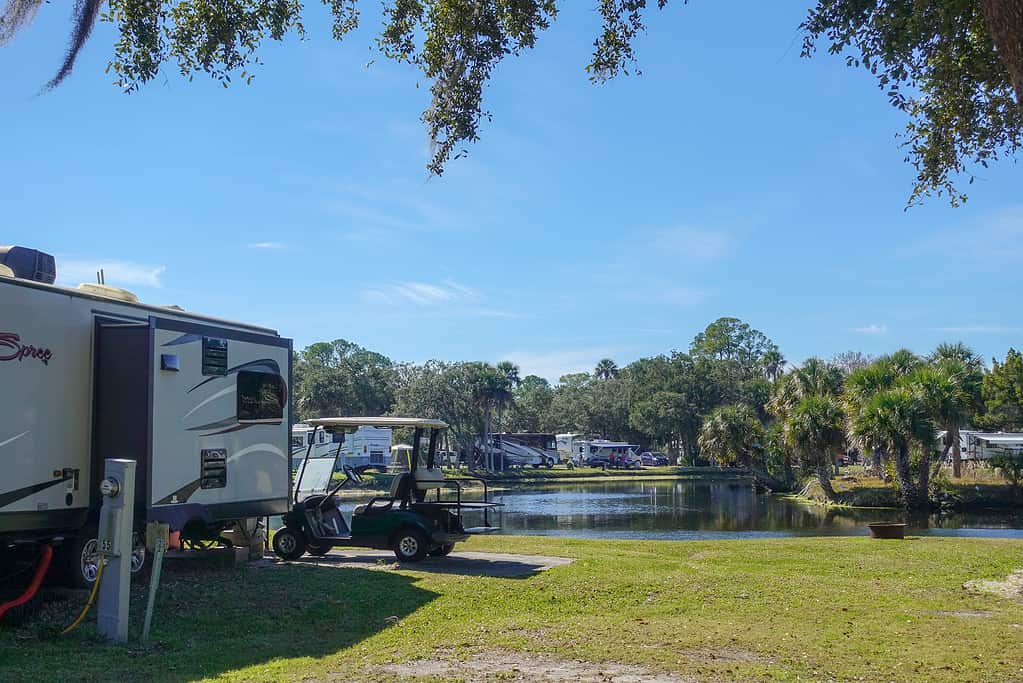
985, 445
302, 436
524, 449
366, 446
566, 446
90, 373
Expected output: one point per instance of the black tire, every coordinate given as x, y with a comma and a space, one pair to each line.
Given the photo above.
549, 464
442, 551
289, 544
138, 552
410, 545
317, 550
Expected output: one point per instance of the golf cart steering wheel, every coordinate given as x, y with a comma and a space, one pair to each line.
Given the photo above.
352, 474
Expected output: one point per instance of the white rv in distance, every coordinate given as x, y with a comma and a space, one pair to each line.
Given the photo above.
522, 449
604, 453
303, 436
367, 446
90, 373
566, 446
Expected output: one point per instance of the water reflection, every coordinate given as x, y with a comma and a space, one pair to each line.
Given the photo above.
697, 510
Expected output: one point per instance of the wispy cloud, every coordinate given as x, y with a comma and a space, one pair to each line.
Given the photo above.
979, 329
118, 273
551, 365
994, 240
692, 244
682, 296
421, 293
872, 328
266, 245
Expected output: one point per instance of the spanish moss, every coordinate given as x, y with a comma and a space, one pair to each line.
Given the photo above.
85, 15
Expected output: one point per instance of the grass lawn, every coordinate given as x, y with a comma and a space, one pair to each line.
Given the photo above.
779, 609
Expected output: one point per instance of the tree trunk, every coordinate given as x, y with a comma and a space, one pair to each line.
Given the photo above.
1005, 23
924, 487
875, 462
957, 456
910, 495
824, 477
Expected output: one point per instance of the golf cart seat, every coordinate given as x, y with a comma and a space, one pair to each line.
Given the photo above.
399, 488
428, 478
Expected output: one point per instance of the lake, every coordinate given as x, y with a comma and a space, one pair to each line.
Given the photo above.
691, 510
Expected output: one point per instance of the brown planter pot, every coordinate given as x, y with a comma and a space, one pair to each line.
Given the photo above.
887, 530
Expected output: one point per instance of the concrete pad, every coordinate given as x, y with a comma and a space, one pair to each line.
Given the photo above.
499, 565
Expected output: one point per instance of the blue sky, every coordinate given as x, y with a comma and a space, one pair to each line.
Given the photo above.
731, 178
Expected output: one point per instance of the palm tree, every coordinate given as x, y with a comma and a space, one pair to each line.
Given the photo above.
956, 351
510, 372
814, 378
606, 369
814, 430
860, 388
731, 434
951, 389
774, 364
899, 419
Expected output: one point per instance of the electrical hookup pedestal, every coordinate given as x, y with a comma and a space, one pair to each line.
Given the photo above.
116, 517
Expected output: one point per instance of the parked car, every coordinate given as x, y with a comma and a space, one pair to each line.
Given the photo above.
653, 459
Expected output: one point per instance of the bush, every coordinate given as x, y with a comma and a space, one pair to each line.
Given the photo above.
1011, 464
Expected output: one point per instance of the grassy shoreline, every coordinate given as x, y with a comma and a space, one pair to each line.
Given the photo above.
778, 609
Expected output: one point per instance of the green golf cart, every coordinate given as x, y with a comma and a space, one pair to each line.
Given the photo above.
422, 515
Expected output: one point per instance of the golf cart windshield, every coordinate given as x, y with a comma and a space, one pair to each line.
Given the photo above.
316, 476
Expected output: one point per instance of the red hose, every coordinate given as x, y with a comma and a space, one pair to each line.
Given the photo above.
33, 588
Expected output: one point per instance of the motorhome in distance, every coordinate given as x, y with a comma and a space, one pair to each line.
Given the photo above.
90, 373
601, 452
522, 449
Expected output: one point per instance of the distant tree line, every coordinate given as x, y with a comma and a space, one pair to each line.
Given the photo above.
730, 400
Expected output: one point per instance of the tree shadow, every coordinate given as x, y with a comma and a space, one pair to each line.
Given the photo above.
494, 565
209, 623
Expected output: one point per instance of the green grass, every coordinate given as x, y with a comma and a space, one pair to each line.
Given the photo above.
779, 609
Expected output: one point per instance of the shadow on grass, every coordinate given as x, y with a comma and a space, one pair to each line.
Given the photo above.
211, 623
502, 566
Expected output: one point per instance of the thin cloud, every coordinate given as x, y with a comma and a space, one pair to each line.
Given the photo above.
872, 328
266, 245
683, 296
692, 243
422, 293
118, 273
979, 329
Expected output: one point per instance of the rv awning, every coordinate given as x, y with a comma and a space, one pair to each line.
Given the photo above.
352, 423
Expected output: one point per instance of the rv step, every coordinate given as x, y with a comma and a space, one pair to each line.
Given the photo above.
482, 529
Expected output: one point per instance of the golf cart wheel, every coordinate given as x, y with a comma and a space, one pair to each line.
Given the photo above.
410, 545
549, 464
317, 550
442, 551
289, 544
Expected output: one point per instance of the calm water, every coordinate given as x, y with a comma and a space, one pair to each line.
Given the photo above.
709, 510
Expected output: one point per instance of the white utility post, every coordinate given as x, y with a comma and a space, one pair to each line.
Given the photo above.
115, 526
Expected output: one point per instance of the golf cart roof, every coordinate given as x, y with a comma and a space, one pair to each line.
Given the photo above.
335, 424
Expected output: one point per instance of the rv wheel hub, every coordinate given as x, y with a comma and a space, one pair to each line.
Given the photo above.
409, 545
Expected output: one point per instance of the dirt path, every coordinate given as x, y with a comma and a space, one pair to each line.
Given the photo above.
500, 565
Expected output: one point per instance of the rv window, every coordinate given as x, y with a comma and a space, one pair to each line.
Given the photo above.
296, 442
260, 397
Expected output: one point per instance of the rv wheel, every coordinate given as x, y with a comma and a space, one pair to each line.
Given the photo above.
138, 551
317, 550
442, 551
410, 545
289, 544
